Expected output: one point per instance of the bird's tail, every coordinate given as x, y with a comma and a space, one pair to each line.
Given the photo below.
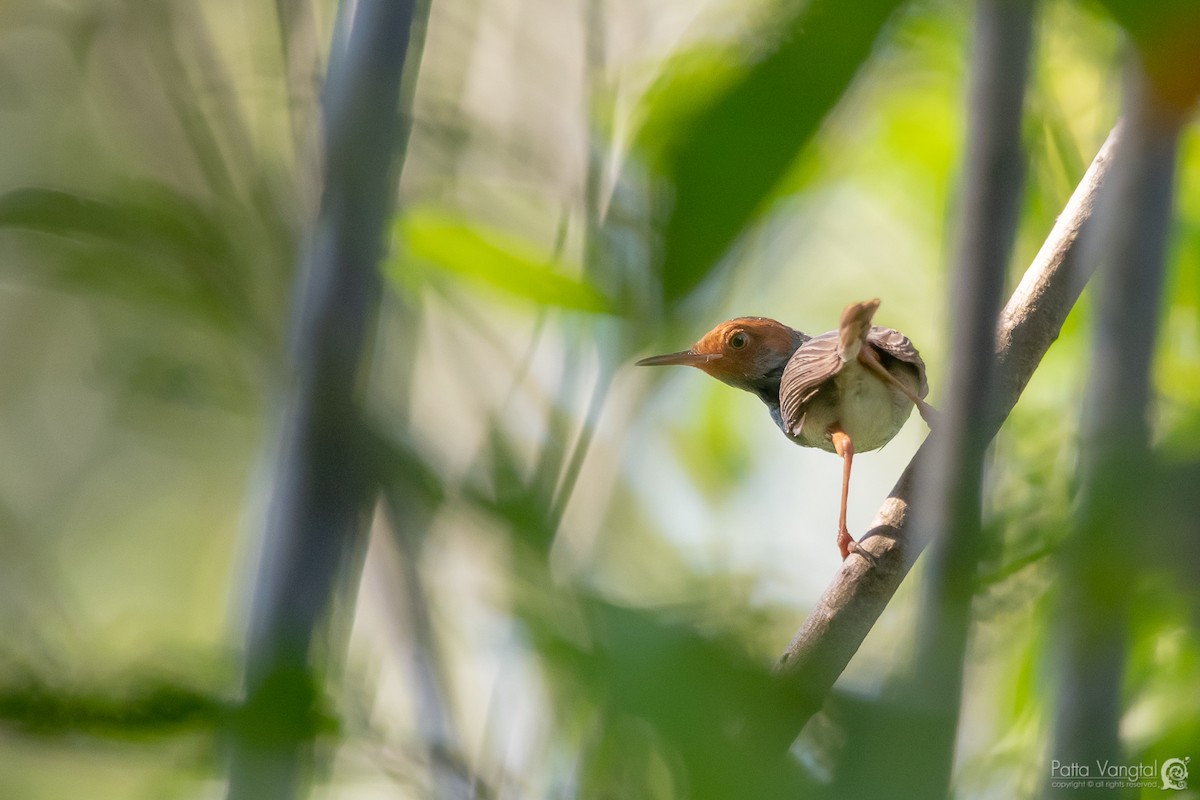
853, 328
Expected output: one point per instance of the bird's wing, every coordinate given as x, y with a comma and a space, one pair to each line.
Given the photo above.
895, 344
813, 363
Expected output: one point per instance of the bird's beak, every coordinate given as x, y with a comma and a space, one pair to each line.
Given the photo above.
688, 358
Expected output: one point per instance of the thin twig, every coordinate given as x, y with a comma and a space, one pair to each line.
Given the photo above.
302, 75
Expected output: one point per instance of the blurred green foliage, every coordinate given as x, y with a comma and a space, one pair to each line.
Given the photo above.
467, 252
740, 142
585, 572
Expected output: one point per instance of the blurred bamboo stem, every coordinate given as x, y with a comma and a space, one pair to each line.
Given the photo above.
1028, 325
1109, 530
950, 505
322, 482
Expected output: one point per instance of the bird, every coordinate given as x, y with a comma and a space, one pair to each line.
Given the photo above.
846, 391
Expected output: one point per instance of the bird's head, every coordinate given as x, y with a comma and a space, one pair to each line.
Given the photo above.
741, 352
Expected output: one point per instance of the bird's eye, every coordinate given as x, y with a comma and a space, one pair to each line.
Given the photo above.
739, 340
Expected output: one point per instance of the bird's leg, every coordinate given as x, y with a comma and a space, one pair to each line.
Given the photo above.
844, 447
868, 359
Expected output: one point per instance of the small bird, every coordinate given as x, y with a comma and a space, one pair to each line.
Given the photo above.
843, 391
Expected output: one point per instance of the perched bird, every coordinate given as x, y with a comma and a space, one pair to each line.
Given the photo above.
843, 391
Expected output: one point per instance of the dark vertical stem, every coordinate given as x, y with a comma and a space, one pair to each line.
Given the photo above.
322, 483
951, 512
1102, 550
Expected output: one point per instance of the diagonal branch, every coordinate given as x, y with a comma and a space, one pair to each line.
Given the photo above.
1028, 325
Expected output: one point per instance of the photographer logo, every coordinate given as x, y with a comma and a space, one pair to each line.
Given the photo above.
1172, 774
1175, 773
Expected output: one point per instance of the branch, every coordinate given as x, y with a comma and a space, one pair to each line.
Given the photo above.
1028, 325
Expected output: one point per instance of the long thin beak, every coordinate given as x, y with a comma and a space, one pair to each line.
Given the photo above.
687, 358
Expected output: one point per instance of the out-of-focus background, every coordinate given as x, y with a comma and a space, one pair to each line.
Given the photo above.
157, 173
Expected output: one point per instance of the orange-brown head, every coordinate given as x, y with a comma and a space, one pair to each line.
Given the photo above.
747, 352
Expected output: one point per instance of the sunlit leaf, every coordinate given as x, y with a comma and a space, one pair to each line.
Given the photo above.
500, 260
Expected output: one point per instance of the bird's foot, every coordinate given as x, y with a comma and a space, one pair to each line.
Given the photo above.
847, 545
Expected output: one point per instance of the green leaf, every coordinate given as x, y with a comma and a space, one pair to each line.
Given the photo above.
691, 81
145, 216
493, 258
739, 146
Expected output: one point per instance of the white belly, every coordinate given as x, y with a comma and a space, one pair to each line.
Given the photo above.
870, 411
